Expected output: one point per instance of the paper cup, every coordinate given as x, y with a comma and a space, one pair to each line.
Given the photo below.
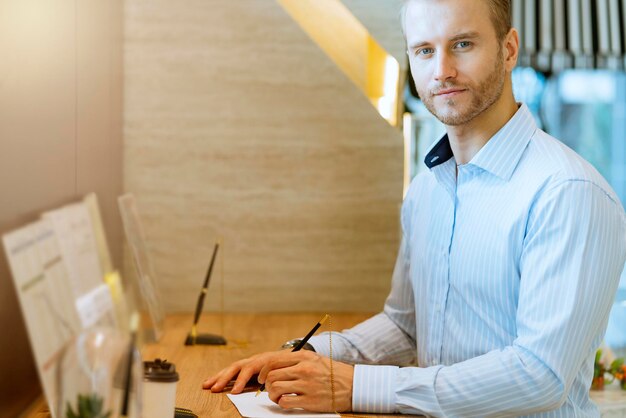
159, 389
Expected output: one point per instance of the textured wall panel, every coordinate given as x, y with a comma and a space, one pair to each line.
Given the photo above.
237, 125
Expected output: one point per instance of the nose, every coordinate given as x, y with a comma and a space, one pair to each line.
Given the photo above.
445, 67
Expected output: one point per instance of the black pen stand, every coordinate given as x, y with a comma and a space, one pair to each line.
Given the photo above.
205, 339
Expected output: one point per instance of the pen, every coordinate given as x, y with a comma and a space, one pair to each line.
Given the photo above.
203, 294
300, 344
134, 325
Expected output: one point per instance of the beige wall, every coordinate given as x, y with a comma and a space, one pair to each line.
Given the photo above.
237, 125
60, 137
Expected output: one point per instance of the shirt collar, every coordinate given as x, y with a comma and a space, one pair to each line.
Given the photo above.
501, 154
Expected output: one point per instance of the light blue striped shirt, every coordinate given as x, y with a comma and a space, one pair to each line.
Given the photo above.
502, 287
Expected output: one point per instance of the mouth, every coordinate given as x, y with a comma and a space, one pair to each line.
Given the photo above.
449, 92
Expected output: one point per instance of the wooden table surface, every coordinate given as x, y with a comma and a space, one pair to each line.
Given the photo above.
247, 334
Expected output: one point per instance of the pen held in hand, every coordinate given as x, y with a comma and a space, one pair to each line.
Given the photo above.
301, 344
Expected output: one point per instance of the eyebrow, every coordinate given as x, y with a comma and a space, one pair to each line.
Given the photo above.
462, 35
465, 35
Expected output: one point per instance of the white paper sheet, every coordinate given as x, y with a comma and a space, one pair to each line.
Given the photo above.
73, 227
45, 295
75, 232
251, 406
95, 306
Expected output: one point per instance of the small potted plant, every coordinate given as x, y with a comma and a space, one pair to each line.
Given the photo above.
598, 372
618, 370
615, 371
89, 373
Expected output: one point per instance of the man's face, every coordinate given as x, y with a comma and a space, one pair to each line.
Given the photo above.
455, 58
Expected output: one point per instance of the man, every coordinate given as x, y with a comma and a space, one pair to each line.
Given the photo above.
512, 251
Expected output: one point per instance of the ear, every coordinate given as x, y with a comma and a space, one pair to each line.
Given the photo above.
511, 49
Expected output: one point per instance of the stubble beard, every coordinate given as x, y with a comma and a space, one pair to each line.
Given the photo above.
484, 95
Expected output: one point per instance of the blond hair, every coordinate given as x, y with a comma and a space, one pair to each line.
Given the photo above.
500, 16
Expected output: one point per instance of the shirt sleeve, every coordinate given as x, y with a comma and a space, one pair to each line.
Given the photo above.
386, 338
573, 254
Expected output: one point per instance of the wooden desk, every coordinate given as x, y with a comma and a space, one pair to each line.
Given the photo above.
247, 334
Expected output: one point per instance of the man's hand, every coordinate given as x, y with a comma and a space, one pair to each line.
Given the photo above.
243, 370
292, 379
302, 380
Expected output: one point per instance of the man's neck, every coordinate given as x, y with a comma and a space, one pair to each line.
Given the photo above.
466, 140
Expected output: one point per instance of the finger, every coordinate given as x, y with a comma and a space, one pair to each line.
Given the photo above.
209, 382
291, 401
278, 363
253, 381
212, 380
280, 389
306, 402
244, 376
223, 377
287, 374
279, 385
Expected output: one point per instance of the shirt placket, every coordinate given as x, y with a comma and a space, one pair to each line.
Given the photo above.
439, 295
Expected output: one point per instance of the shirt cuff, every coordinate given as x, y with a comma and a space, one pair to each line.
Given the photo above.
320, 344
373, 389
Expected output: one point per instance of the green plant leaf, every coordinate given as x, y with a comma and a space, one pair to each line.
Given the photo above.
616, 365
89, 406
70, 412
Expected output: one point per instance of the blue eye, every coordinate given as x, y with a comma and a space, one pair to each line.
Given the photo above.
424, 51
463, 44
